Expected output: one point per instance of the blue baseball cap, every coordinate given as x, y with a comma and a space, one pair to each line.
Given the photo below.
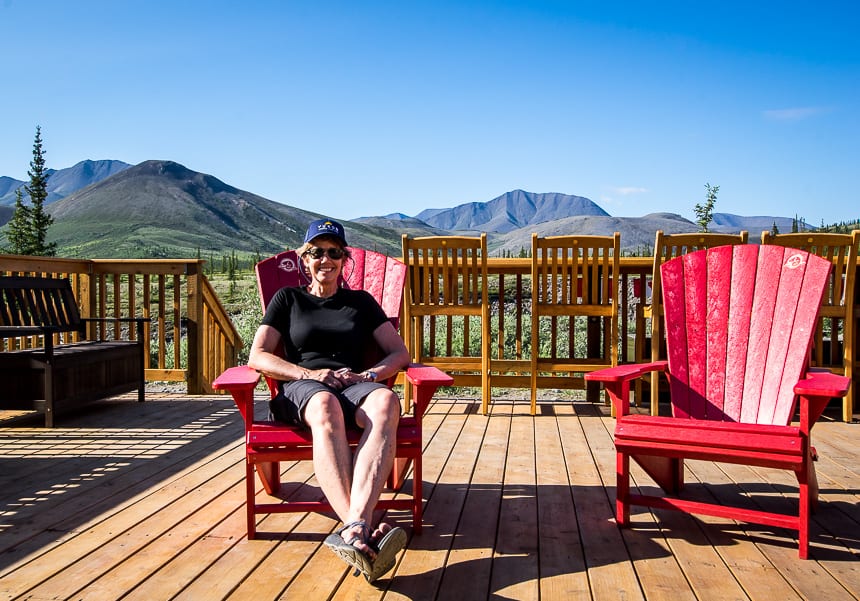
325, 227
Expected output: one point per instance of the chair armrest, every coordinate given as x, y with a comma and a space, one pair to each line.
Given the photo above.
822, 383
426, 380
815, 391
616, 381
240, 382
624, 373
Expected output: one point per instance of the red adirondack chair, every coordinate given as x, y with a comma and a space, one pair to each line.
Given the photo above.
269, 442
739, 321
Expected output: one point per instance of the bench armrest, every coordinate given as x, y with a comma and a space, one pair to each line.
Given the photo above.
15, 331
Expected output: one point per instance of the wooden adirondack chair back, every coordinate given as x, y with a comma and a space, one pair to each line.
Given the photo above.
378, 274
739, 321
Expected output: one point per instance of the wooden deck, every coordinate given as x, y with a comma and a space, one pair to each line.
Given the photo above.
145, 501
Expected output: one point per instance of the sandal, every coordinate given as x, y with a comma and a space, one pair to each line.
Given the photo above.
393, 540
347, 550
386, 549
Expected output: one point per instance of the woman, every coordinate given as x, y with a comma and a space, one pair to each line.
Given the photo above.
326, 333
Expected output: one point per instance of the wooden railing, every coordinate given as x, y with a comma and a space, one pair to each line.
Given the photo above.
189, 337
181, 304
510, 298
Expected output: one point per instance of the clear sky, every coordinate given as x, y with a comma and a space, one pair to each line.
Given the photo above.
361, 108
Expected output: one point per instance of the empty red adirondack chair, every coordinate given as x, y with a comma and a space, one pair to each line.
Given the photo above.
739, 321
269, 442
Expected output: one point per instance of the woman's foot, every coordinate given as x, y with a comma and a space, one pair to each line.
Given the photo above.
388, 546
350, 543
370, 554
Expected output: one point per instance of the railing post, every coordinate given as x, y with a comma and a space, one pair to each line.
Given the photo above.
194, 330
88, 300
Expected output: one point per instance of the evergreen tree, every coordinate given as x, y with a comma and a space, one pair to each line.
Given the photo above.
705, 212
774, 230
40, 220
18, 231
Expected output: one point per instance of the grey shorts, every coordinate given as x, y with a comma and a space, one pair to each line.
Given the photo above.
288, 406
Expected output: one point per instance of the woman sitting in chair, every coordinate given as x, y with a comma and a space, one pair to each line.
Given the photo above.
326, 332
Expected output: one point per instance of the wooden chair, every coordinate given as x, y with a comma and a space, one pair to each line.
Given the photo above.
652, 346
575, 286
267, 442
446, 291
837, 304
739, 323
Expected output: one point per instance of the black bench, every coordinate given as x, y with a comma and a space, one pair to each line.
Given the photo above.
61, 373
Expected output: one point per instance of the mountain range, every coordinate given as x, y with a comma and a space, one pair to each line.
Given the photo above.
109, 209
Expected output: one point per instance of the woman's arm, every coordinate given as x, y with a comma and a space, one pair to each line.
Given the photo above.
396, 356
264, 359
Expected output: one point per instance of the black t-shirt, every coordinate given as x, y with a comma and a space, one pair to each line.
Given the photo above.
332, 332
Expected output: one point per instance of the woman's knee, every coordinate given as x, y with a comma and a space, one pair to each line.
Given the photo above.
382, 405
323, 410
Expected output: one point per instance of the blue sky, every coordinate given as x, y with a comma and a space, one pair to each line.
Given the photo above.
369, 108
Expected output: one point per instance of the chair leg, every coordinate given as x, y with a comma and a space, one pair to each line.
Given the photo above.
417, 496
622, 489
250, 501
270, 476
667, 472
398, 472
803, 521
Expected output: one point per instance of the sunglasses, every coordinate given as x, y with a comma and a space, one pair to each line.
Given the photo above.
333, 253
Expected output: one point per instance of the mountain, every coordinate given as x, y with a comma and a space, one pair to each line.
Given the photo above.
63, 182
109, 209
637, 233
510, 211
726, 222
163, 209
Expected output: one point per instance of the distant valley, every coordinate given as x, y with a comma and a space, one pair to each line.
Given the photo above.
109, 209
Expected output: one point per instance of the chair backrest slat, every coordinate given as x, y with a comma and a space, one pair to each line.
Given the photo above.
739, 321
381, 276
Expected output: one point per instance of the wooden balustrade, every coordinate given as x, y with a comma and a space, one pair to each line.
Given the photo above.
510, 297
189, 337
182, 305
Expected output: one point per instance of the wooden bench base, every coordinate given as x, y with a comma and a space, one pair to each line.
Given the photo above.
80, 373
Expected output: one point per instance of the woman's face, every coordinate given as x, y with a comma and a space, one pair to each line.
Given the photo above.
322, 267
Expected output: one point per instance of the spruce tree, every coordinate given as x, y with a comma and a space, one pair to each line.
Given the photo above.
40, 220
19, 231
705, 212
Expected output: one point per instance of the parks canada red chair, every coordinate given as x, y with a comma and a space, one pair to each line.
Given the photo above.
267, 443
650, 345
739, 323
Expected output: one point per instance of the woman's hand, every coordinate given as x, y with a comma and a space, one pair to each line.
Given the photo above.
336, 379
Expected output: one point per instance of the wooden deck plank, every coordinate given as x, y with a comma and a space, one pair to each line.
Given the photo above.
610, 571
515, 561
146, 501
119, 560
562, 565
656, 568
469, 567
447, 467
